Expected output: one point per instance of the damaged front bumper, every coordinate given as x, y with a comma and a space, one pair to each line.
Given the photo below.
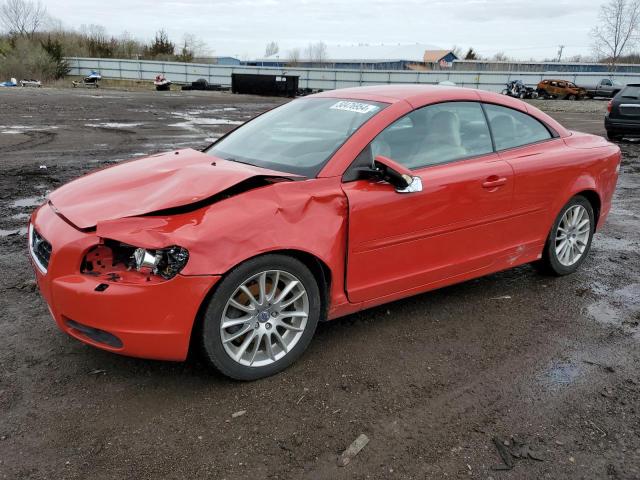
152, 319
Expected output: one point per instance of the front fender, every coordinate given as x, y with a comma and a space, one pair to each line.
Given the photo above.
308, 216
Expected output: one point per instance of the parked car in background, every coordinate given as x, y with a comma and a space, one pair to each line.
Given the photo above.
561, 89
604, 88
623, 113
317, 209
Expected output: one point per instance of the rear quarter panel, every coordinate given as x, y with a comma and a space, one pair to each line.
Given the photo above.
549, 174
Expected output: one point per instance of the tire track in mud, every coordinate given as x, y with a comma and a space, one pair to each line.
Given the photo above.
36, 139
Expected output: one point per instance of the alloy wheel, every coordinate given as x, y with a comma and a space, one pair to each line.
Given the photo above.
572, 235
264, 318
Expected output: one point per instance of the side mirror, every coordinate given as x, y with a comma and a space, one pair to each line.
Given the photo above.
397, 175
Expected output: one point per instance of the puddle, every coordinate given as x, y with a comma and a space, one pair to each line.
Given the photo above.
17, 231
621, 305
206, 121
603, 312
28, 202
16, 129
113, 125
192, 119
560, 374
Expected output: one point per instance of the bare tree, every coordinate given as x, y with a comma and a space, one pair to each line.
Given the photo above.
316, 52
617, 31
22, 17
293, 57
271, 49
500, 57
195, 45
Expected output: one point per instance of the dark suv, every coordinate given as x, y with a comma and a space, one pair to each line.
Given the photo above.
623, 117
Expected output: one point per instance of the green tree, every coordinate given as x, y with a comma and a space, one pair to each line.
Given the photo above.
471, 54
54, 50
161, 45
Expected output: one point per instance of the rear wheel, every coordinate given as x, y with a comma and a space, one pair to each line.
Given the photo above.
570, 238
613, 136
261, 317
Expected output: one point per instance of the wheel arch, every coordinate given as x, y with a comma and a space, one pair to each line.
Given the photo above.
319, 269
594, 199
585, 188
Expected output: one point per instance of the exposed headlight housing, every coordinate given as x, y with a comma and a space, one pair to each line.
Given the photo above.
166, 262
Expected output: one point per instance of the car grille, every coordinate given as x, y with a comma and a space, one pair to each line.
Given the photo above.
40, 249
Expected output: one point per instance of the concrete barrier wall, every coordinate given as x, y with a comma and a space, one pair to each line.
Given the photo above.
325, 79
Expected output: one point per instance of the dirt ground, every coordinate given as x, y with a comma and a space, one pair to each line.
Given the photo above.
431, 380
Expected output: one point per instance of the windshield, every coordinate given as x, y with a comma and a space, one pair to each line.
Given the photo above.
298, 137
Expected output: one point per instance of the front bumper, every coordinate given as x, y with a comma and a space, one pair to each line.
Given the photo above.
151, 320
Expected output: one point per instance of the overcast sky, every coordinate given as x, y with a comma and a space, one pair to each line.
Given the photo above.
521, 28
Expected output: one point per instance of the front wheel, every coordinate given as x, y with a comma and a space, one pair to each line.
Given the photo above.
570, 238
261, 317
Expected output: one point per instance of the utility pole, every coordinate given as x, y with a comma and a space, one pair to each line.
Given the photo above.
560, 48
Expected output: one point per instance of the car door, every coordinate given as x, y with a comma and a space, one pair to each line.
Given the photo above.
404, 242
537, 157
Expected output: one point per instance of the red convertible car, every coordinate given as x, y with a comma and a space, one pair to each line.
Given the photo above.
319, 208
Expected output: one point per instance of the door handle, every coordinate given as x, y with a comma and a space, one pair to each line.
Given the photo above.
494, 181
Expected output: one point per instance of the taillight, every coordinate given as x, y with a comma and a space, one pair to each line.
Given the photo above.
609, 105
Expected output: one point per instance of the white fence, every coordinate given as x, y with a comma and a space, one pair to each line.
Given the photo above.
324, 79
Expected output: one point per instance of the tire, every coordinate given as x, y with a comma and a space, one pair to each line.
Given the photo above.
255, 341
613, 136
558, 261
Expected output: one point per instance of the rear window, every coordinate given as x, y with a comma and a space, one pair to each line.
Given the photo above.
631, 91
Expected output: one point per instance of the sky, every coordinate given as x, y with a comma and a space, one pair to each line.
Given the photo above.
522, 29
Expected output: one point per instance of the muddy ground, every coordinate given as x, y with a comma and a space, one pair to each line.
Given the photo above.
430, 380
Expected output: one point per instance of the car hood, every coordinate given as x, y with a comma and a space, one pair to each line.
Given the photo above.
156, 183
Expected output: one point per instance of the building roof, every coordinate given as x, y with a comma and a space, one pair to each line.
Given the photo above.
434, 56
413, 51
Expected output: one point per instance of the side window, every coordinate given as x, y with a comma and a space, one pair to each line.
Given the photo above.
435, 134
606, 83
512, 128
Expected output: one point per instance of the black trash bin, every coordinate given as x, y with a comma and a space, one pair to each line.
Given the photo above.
269, 85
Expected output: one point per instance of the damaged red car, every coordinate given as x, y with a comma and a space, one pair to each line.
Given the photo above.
319, 208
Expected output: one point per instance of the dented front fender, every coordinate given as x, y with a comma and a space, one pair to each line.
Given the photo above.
308, 216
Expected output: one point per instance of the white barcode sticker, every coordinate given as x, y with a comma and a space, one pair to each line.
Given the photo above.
356, 107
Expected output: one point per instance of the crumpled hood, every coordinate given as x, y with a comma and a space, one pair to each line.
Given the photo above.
150, 184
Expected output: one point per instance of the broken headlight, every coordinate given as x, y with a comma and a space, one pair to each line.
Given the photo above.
166, 262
